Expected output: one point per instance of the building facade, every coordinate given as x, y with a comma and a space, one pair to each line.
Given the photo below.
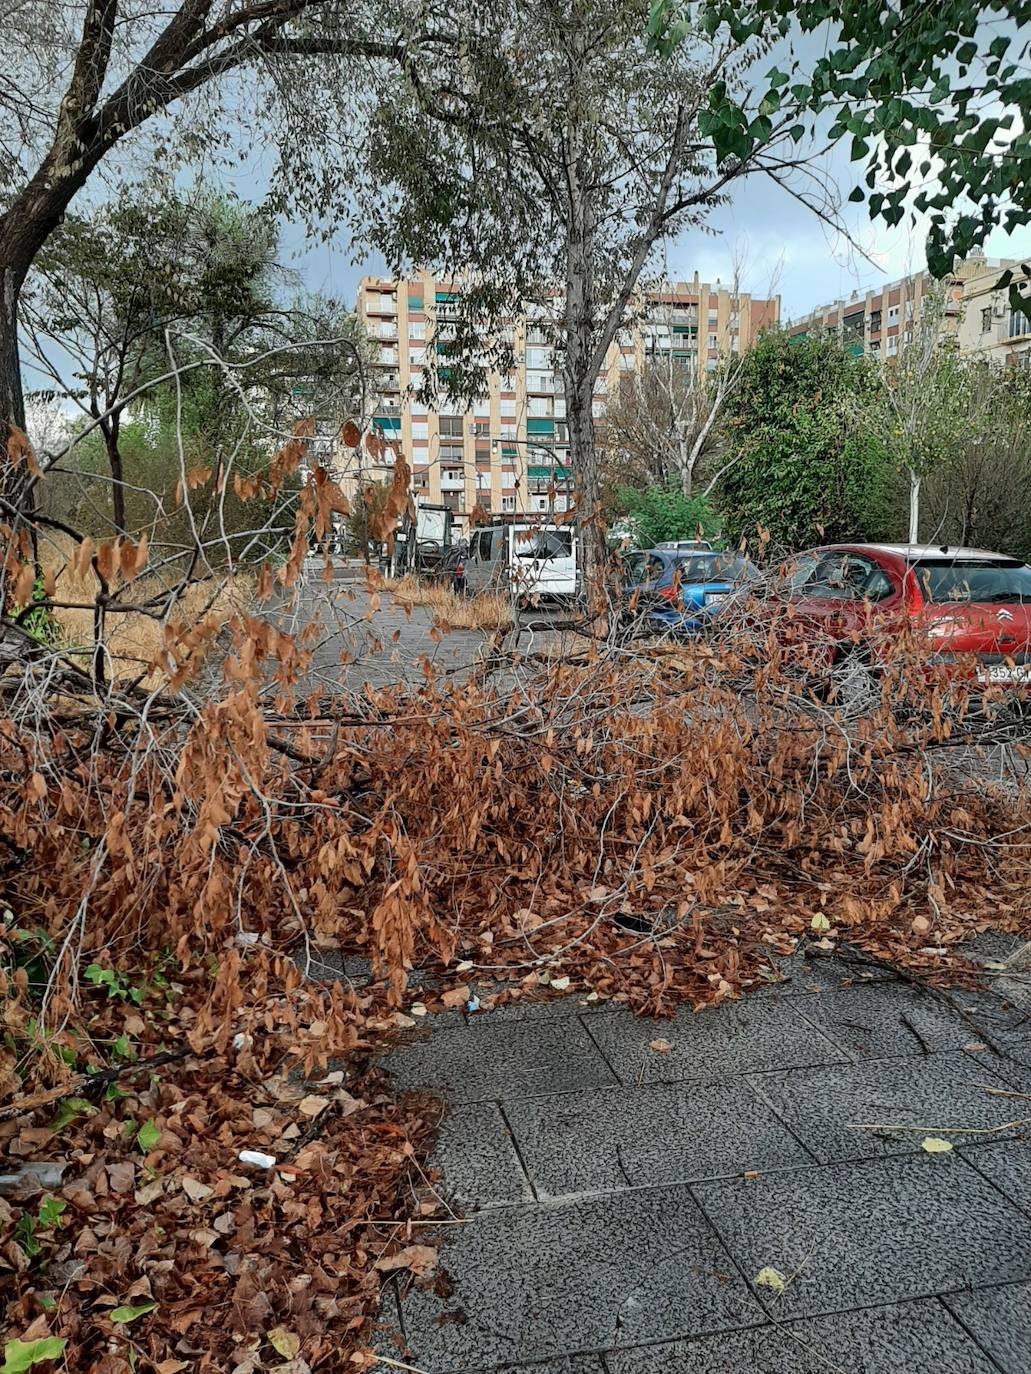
882, 322
990, 327
509, 453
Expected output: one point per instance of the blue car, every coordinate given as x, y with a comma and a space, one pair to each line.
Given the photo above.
679, 592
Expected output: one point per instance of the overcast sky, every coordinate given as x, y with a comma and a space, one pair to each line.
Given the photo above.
781, 245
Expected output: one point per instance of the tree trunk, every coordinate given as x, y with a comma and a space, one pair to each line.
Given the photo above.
25, 226
914, 506
111, 428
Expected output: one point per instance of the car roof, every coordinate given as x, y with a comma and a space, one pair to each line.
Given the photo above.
915, 551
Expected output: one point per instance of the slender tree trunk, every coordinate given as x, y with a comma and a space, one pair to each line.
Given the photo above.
914, 506
111, 430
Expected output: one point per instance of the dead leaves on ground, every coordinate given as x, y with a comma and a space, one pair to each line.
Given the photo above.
151, 1244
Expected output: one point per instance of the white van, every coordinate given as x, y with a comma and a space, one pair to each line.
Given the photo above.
530, 560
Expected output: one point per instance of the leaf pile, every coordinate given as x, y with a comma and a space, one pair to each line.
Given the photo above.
168, 1253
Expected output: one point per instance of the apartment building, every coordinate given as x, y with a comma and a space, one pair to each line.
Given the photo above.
990, 327
881, 322
509, 453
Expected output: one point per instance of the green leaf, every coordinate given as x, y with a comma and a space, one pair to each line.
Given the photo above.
857, 195
934, 1145
284, 1342
124, 1315
21, 1355
68, 1109
147, 1136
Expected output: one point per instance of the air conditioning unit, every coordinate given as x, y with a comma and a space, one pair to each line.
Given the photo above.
999, 311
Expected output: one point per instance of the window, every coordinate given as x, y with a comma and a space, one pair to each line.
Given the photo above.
892, 345
1019, 323
451, 453
420, 429
560, 405
417, 329
597, 409
483, 481
909, 308
735, 344
416, 357
508, 504
452, 426
893, 314
538, 358
714, 341
710, 364
538, 405
421, 479
508, 408
986, 319
875, 321
980, 580
508, 429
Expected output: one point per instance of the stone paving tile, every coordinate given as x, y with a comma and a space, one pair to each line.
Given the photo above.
481, 1168
886, 1020
933, 1093
909, 1338
1007, 1165
484, 1061
662, 1133
532, 1283
731, 1039
571, 1364
821, 973
881, 1230
530, 1009
1000, 1320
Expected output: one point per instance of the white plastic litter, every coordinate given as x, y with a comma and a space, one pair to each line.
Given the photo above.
257, 1158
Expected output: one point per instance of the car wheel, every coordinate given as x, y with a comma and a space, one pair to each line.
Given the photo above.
854, 686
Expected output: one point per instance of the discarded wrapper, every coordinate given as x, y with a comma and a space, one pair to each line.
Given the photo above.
257, 1158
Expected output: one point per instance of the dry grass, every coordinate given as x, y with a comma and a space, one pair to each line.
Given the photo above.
135, 640
485, 611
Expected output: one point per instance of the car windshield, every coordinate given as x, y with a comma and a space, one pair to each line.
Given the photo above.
713, 567
544, 543
964, 580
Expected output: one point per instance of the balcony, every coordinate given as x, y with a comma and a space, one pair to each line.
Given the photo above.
452, 481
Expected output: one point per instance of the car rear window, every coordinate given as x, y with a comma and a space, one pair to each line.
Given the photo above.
544, 543
960, 579
713, 567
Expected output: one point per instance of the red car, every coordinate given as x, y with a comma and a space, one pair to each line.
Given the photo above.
965, 602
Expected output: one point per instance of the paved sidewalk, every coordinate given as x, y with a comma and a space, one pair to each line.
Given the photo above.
621, 1201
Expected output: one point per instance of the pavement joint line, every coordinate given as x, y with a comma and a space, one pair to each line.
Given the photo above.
961, 1153
971, 1334
765, 1102
518, 1152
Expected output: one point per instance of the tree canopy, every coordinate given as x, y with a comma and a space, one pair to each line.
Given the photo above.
932, 99
806, 470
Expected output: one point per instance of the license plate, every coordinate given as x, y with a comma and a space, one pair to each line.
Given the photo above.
710, 597
1000, 672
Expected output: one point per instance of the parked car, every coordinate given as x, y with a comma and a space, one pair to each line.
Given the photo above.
971, 606
685, 545
527, 559
678, 591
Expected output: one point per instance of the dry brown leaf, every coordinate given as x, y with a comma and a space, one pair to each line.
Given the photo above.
420, 1259
312, 1105
661, 1046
